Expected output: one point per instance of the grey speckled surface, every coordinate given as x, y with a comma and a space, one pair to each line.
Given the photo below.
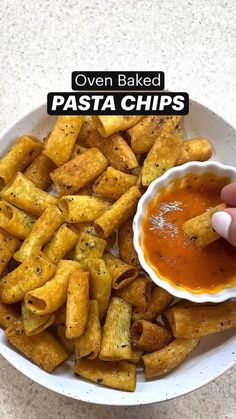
40, 44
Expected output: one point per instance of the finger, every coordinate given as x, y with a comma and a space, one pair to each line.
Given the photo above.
224, 223
228, 194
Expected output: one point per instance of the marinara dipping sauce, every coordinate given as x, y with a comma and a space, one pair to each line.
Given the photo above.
173, 256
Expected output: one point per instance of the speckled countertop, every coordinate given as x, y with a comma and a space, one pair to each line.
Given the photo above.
40, 44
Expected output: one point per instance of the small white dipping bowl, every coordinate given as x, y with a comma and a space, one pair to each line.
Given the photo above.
197, 168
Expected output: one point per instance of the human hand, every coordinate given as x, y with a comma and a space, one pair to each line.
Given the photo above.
224, 222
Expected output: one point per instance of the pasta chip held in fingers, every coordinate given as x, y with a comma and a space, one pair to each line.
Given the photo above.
33, 323
126, 247
62, 138
79, 172
199, 229
61, 243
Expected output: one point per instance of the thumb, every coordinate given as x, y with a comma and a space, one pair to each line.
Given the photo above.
224, 223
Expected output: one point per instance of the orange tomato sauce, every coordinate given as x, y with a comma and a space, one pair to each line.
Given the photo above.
173, 256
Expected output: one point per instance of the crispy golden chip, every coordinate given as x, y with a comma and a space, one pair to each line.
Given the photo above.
42, 349
144, 133
120, 375
116, 150
100, 284
121, 273
17, 222
23, 194
118, 213
149, 337
160, 300
62, 138
113, 183
162, 156
19, 156
79, 172
8, 314
198, 149
68, 344
199, 229
107, 124
80, 209
116, 345
33, 323
89, 343
77, 150
30, 274
196, 321
163, 361
77, 304
87, 128
49, 297
39, 171
8, 246
126, 246
88, 248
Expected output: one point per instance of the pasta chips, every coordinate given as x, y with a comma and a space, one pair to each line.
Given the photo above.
116, 343
25, 149
81, 292
42, 349
23, 194
62, 138
79, 172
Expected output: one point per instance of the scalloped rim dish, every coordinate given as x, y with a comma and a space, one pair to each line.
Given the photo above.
171, 174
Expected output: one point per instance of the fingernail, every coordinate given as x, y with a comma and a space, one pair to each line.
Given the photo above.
221, 222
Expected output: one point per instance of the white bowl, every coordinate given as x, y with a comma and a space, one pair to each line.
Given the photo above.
195, 168
213, 356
